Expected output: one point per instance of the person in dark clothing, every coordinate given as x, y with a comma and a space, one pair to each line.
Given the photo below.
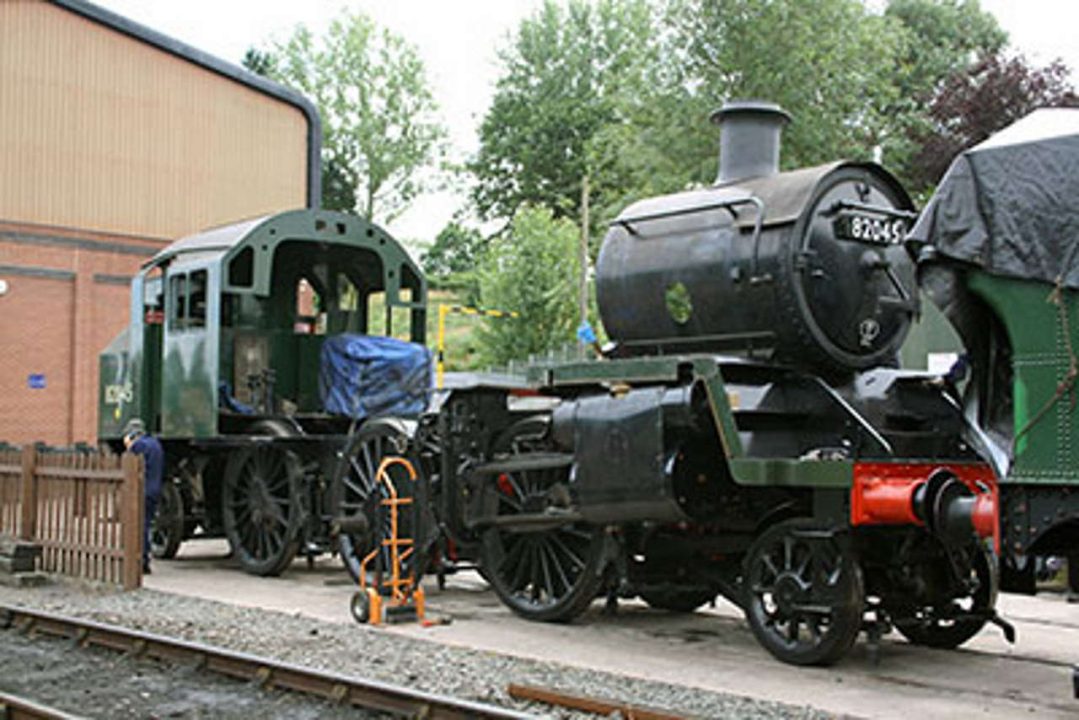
137, 440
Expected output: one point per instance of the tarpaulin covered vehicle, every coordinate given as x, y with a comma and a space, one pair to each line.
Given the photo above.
998, 249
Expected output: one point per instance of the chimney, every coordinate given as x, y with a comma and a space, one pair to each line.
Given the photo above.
749, 132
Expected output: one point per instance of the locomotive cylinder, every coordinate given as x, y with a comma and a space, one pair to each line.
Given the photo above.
621, 470
804, 266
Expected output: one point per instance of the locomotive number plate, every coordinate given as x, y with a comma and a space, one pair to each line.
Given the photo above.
866, 228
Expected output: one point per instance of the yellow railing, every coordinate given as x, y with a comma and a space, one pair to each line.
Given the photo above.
443, 311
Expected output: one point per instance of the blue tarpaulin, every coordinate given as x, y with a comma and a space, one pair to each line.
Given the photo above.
363, 376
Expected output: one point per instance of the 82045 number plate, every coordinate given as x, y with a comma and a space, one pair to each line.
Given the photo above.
867, 228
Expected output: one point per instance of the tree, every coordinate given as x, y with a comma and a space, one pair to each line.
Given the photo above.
944, 36
260, 62
829, 63
563, 79
380, 134
457, 249
973, 104
941, 38
532, 270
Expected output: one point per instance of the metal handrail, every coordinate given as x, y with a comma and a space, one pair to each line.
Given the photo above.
727, 205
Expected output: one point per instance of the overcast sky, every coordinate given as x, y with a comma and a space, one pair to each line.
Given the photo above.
458, 40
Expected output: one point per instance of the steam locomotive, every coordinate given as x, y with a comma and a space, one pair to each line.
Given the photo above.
744, 436
242, 355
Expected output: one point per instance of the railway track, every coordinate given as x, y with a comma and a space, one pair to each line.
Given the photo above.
14, 707
264, 672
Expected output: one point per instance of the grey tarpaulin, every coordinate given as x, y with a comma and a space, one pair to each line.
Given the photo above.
1011, 204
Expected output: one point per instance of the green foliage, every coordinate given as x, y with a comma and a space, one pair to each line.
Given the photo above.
945, 36
259, 62
532, 270
457, 249
826, 62
942, 38
566, 75
379, 130
621, 91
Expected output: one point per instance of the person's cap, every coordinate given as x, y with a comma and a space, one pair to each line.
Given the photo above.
134, 427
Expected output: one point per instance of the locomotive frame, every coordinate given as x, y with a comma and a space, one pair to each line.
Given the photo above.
674, 473
631, 477
221, 361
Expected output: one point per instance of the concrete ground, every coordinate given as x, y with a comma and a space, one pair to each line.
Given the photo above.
710, 649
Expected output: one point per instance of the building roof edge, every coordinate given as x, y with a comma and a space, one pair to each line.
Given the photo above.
226, 69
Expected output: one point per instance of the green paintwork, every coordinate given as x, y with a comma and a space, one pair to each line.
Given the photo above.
930, 334
629, 370
123, 374
1048, 452
789, 472
190, 358
169, 374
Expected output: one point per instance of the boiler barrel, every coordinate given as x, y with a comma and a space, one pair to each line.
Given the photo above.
704, 271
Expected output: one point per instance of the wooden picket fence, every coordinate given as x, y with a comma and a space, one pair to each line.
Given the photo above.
85, 509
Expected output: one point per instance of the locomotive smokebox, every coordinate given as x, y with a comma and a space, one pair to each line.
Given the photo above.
749, 139
805, 267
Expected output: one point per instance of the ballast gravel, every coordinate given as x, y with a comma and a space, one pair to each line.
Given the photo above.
351, 649
99, 683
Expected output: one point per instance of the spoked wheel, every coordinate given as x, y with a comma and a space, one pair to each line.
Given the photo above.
262, 507
356, 495
957, 621
167, 526
804, 594
549, 574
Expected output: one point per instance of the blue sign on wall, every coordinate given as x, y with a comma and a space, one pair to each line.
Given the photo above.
36, 381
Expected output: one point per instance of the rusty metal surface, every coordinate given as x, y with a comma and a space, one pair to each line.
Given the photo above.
13, 707
584, 703
265, 672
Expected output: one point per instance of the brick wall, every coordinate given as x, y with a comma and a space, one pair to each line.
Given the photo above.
66, 298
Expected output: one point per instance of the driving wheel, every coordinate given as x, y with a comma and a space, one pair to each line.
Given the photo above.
950, 624
804, 593
548, 573
357, 495
167, 526
261, 507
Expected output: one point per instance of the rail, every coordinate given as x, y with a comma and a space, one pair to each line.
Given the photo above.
14, 707
584, 703
265, 672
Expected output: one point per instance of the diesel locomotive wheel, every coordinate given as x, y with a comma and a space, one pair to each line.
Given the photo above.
550, 574
355, 494
952, 624
804, 594
261, 506
167, 527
